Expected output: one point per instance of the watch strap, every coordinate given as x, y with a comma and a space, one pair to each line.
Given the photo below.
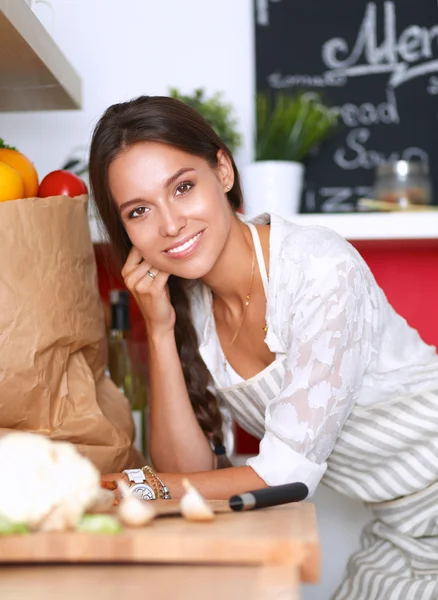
135, 475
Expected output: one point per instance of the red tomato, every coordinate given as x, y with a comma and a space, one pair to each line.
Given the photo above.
61, 183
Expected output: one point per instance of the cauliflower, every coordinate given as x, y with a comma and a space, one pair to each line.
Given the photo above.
44, 484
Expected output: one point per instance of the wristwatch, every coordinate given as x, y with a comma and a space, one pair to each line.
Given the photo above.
139, 487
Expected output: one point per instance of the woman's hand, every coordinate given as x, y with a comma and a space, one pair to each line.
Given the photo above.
150, 290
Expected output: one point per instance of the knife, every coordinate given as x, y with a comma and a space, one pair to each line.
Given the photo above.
269, 496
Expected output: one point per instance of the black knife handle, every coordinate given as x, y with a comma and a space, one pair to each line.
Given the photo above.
270, 496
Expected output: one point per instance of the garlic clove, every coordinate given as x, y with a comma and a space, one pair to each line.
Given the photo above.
132, 511
103, 503
193, 506
124, 489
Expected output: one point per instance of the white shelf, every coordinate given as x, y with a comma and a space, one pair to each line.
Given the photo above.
34, 74
378, 226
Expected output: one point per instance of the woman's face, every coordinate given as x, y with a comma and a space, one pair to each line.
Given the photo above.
173, 206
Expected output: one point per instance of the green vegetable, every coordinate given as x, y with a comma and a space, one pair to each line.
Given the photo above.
7, 527
3, 145
99, 524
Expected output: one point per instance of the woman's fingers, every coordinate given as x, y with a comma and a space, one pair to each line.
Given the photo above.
136, 273
133, 260
148, 284
143, 277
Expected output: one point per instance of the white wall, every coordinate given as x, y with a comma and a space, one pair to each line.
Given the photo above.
124, 49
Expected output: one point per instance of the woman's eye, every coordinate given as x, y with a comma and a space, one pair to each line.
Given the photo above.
138, 212
184, 187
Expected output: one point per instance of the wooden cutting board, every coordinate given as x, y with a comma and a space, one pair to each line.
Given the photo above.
281, 535
171, 508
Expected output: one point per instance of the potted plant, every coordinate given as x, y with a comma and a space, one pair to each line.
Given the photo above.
218, 114
289, 127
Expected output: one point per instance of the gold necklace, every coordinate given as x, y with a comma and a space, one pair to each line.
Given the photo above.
247, 301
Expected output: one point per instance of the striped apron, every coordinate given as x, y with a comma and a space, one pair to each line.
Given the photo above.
387, 456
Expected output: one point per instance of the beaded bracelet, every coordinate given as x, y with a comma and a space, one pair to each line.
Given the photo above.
163, 491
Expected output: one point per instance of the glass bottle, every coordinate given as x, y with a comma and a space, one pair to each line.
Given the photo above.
403, 182
125, 366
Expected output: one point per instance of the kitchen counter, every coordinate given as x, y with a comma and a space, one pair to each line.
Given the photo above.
157, 582
255, 554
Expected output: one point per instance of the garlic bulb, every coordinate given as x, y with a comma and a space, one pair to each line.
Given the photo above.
193, 506
132, 511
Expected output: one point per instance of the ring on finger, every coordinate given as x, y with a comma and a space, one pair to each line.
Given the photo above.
151, 275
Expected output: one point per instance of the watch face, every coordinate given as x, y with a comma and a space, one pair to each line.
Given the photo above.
142, 491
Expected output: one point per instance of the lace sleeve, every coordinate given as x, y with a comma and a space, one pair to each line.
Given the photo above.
328, 341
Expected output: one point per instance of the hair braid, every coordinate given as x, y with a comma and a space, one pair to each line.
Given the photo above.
196, 374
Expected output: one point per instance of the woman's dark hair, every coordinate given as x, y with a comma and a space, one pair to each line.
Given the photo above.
169, 121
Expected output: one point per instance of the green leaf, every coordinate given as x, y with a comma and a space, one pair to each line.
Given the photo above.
291, 126
7, 527
4, 145
99, 524
218, 114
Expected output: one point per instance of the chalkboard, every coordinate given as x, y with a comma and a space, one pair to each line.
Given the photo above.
377, 62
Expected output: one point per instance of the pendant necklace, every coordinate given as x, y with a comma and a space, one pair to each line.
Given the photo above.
247, 301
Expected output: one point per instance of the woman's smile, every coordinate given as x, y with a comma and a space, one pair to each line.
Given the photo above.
185, 247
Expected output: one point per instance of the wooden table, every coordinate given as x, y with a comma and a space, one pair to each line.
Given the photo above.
251, 555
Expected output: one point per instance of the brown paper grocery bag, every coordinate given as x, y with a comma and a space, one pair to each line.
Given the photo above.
52, 335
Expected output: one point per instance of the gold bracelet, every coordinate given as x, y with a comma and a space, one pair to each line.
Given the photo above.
163, 490
160, 488
154, 485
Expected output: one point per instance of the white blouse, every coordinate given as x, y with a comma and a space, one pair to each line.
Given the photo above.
339, 339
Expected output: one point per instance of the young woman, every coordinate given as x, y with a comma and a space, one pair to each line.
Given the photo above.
282, 328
